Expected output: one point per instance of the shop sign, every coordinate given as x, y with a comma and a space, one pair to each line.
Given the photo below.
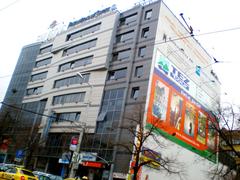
93, 164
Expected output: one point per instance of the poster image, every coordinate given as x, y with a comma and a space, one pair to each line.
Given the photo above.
176, 111
189, 121
160, 100
201, 133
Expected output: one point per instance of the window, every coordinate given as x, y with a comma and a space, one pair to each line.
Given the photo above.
128, 19
148, 14
124, 37
117, 74
76, 63
69, 116
71, 80
145, 32
69, 98
43, 62
110, 109
135, 92
83, 32
122, 55
138, 71
142, 51
34, 91
45, 49
80, 47
39, 76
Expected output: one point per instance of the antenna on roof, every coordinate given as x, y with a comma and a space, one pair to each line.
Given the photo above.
188, 26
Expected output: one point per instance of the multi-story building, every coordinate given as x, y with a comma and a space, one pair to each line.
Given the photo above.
11, 114
101, 68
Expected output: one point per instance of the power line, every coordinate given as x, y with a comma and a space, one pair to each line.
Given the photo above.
9, 5
172, 40
5, 76
40, 114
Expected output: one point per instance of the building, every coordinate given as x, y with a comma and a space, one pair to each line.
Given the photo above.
11, 113
101, 68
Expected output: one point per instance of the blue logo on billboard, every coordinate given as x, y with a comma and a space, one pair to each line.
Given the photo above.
163, 64
166, 67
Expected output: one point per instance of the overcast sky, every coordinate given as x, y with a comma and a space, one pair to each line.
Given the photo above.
22, 21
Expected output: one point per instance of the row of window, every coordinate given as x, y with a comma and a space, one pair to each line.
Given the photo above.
34, 91
80, 47
125, 54
69, 98
69, 116
122, 73
127, 36
133, 17
43, 62
71, 80
120, 38
76, 63
83, 32
118, 56
45, 49
39, 76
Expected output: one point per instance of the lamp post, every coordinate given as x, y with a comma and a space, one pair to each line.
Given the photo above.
83, 127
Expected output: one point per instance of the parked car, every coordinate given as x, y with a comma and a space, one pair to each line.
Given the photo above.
3, 167
17, 173
50, 176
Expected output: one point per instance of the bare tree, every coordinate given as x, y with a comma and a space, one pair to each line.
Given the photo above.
140, 133
228, 131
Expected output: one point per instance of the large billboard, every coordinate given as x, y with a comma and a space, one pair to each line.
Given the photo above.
179, 116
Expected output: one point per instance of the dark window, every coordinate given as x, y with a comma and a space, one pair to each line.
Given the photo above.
148, 14
142, 51
69, 98
83, 32
138, 71
145, 32
124, 37
45, 49
71, 80
122, 55
128, 19
39, 76
80, 47
76, 63
117, 74
111, 109
34, 91
68, 116
135, 92
43, 62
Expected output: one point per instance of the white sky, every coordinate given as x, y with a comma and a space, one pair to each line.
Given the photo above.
24, 20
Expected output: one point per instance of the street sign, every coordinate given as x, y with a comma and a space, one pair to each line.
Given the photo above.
19, 154
74, 143
75, 157
63, 161
88, 156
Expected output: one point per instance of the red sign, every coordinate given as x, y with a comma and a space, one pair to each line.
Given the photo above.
93, 164
74, 141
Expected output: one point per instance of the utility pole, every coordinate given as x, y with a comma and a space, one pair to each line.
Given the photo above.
74, 165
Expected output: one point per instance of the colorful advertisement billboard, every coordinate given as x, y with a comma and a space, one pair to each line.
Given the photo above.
179, 116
